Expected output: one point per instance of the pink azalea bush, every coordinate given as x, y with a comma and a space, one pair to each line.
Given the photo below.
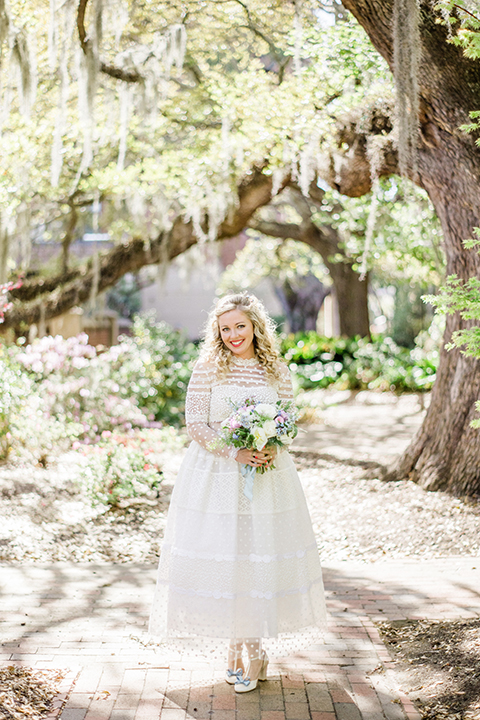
77, 387
59, 393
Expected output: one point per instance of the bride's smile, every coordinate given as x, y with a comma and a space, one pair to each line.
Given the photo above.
236, 331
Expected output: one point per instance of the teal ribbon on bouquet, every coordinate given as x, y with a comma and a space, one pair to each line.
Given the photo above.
248, 473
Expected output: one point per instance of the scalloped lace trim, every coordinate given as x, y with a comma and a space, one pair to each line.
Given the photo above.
244, 361
231, 557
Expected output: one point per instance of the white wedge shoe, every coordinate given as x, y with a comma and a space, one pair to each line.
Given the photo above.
248, 683
235, 673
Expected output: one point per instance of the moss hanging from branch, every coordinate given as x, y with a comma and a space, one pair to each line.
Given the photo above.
4, 24
406, 61
24, 57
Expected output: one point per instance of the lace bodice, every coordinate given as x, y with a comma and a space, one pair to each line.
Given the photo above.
208, 398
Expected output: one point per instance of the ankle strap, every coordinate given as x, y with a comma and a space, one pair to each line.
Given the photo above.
263, 656
237, 652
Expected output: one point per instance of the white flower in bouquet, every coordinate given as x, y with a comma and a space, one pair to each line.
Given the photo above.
261, 438
286, 440
270, 428
266, 410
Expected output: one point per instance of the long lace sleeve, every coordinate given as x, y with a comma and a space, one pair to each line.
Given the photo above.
285, 388
197, 410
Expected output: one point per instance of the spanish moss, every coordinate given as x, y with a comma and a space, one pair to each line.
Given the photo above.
406, 60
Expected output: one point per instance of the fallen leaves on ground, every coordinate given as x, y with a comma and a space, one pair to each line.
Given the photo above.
438, 663
26, 692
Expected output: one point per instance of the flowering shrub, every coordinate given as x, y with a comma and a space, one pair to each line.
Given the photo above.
5, 304
121, 466
142, 379
77, 387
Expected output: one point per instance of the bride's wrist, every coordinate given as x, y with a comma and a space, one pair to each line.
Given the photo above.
233, 452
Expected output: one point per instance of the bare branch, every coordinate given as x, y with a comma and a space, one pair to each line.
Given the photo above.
459, 7
277, 53
285, 231
129, 76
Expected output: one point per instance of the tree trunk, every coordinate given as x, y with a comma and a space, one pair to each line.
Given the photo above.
351, 292
445, 454
301, 300
352, 298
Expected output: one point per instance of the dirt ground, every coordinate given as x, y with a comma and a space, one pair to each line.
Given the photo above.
438, 664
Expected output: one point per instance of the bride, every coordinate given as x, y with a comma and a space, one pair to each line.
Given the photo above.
231, 569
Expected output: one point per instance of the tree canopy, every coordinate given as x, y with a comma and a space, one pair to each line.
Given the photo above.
145, 117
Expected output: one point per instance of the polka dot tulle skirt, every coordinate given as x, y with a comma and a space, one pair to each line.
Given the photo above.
232, 568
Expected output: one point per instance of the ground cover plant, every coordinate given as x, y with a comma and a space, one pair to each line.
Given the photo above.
125, 466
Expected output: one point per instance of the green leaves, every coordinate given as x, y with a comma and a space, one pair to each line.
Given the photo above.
463, 297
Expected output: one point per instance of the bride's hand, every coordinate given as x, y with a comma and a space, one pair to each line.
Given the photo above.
271, 454
257, 458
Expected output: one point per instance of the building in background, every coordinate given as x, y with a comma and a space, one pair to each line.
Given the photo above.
185, 293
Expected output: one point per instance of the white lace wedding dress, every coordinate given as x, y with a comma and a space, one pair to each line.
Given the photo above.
231, 567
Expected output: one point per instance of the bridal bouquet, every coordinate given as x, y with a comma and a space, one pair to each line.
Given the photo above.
257, 426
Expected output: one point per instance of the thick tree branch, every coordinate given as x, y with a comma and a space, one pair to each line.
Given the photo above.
285, 231
348, 168
325, 241
351, 292
50, 298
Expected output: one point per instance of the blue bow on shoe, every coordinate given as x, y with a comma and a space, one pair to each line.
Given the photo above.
238, 674
245, 682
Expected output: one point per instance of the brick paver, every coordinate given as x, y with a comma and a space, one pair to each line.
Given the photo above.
92, 620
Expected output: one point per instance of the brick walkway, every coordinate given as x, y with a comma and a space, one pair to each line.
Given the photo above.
92, 618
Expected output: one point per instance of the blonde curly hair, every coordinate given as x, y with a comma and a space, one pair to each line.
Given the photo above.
265, 343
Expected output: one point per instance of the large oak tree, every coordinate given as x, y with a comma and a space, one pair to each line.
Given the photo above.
164, 139
445, 454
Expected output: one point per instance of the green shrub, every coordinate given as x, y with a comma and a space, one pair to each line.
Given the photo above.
356, 363
153, 368
15, 387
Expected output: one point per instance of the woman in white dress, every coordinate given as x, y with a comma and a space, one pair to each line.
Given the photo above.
233, 569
